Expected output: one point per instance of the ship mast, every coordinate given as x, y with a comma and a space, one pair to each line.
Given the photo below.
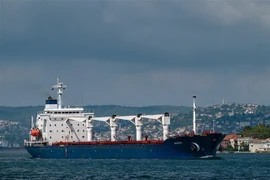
32, 122
194, 115
60, 86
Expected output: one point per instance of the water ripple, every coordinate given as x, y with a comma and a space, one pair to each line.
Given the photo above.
19, 165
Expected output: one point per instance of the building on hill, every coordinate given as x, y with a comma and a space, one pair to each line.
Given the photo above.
260, 147
246, 143
243, 143
230, 139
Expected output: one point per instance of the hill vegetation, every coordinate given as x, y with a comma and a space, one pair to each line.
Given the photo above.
260, 132
249, 119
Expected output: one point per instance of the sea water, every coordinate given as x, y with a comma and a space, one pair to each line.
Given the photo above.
17, 164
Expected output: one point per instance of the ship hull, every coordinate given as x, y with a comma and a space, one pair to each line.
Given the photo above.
173, 148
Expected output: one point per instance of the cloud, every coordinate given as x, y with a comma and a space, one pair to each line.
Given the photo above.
180, 32
137, 52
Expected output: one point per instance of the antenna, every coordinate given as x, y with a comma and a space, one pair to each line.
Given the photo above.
194, 115
32, 122
60, 86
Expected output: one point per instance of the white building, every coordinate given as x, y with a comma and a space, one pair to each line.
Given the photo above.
263, 146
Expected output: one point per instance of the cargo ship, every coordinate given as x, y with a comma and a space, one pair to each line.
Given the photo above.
67, 133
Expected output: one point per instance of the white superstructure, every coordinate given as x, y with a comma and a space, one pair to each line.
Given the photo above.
72, 124
66, 124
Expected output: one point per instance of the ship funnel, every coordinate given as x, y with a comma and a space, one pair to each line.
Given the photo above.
194, 115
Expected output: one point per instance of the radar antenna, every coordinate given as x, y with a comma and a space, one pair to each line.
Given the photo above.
60, 86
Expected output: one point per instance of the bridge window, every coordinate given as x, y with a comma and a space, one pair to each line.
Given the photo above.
82, 136
62, 130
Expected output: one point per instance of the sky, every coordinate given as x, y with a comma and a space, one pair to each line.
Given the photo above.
135, 52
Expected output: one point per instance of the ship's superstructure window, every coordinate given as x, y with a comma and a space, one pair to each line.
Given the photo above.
62, 130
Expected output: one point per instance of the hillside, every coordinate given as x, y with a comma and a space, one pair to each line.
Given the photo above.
226, 118
15, 121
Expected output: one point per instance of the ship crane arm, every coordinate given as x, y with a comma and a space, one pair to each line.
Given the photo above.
164, 119
111, 121
136, 120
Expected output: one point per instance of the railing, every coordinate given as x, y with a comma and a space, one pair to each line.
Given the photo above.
35, 143
109, 142
64, 112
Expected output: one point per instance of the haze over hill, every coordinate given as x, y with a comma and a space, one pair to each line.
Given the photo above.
226, 118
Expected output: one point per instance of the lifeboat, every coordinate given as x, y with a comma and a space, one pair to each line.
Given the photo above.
35, 132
